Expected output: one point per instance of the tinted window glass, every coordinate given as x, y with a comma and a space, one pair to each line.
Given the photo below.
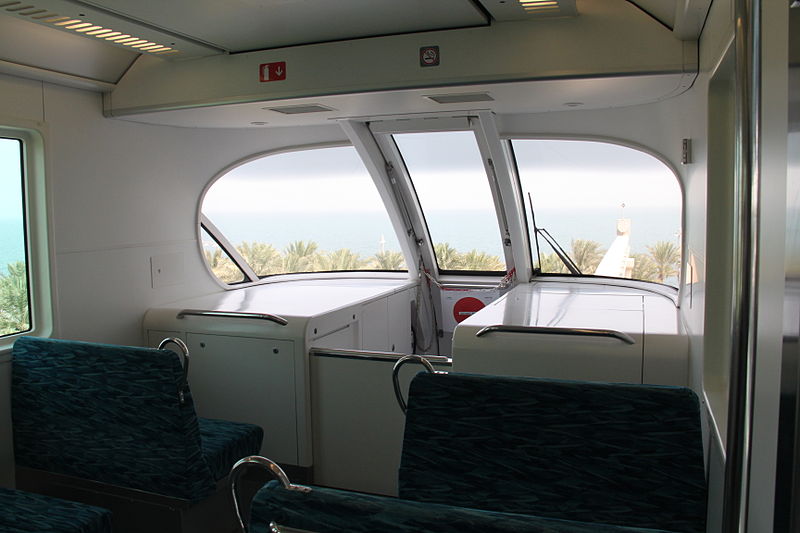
616, 211
450, 181
306, 211
14, 275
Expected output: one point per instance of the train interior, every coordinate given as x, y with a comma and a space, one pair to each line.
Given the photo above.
304, 191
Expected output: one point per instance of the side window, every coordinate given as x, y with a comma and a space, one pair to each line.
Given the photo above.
15, 294
314, 210
612, 210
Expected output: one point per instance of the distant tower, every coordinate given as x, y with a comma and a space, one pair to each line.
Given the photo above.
382, 243
617, 261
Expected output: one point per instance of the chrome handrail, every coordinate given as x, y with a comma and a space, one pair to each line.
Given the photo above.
546, 330
233, 314
396, 380
185, 351
274, 469
374, 355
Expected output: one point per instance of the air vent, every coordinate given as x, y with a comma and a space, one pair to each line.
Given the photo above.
300, 109
462, 98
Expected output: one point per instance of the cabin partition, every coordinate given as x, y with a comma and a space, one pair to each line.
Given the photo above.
250, 348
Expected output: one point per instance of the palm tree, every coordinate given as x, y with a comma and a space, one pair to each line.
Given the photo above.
448, 257
389, 260
222, 266
667, 257
263, 258
475, 260
644, 267
299, 256
552, 264
14, 312
342, 259
586, 254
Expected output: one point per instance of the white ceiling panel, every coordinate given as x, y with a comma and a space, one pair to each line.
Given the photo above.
244, 25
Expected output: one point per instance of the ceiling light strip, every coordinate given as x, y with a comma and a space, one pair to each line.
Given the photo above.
81, 26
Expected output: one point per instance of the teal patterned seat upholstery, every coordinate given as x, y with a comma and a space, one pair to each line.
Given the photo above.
114, 414
622, 454
326, 510
23, 512
488, 453
224, 442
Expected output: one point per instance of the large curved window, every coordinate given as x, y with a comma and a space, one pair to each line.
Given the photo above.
311, 210
607, 209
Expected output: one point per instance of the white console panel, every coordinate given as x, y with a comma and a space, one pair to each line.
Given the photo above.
581, 331
247, 365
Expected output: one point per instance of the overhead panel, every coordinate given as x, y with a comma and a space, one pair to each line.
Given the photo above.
246, 25
661, 10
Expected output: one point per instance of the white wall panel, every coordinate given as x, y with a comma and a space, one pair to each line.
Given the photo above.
122, 193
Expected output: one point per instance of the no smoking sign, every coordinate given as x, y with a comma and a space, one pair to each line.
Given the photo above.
429, 56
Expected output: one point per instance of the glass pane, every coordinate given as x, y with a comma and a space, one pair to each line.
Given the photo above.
14, 300
616, 211
219, 261
452, 188
305, 211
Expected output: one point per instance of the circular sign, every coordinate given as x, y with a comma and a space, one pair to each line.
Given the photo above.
466, 307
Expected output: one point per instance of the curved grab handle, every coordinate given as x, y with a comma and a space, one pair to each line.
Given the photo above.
185, 351
543, 330
396, 380
263, 462
233, 314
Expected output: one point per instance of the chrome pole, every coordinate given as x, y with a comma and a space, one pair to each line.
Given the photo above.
745, 267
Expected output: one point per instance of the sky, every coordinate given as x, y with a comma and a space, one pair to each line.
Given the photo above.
448, 176
10, 180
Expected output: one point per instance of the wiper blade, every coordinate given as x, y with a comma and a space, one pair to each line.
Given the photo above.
565, 258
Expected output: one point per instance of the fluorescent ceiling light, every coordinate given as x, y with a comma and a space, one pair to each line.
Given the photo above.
84, 27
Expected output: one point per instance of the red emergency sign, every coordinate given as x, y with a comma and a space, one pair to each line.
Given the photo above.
272, 71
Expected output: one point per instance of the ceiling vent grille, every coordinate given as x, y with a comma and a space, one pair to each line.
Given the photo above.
300, 109
460, 98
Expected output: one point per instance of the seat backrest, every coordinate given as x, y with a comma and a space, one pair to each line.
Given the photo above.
107, 413
619, 454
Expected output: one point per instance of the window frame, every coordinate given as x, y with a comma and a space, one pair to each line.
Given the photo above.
38, 249
204, 224
537, 274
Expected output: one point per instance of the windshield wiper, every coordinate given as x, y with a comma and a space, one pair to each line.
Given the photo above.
565, 258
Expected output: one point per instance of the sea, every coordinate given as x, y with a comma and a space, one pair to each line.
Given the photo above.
12, 243
368, 233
